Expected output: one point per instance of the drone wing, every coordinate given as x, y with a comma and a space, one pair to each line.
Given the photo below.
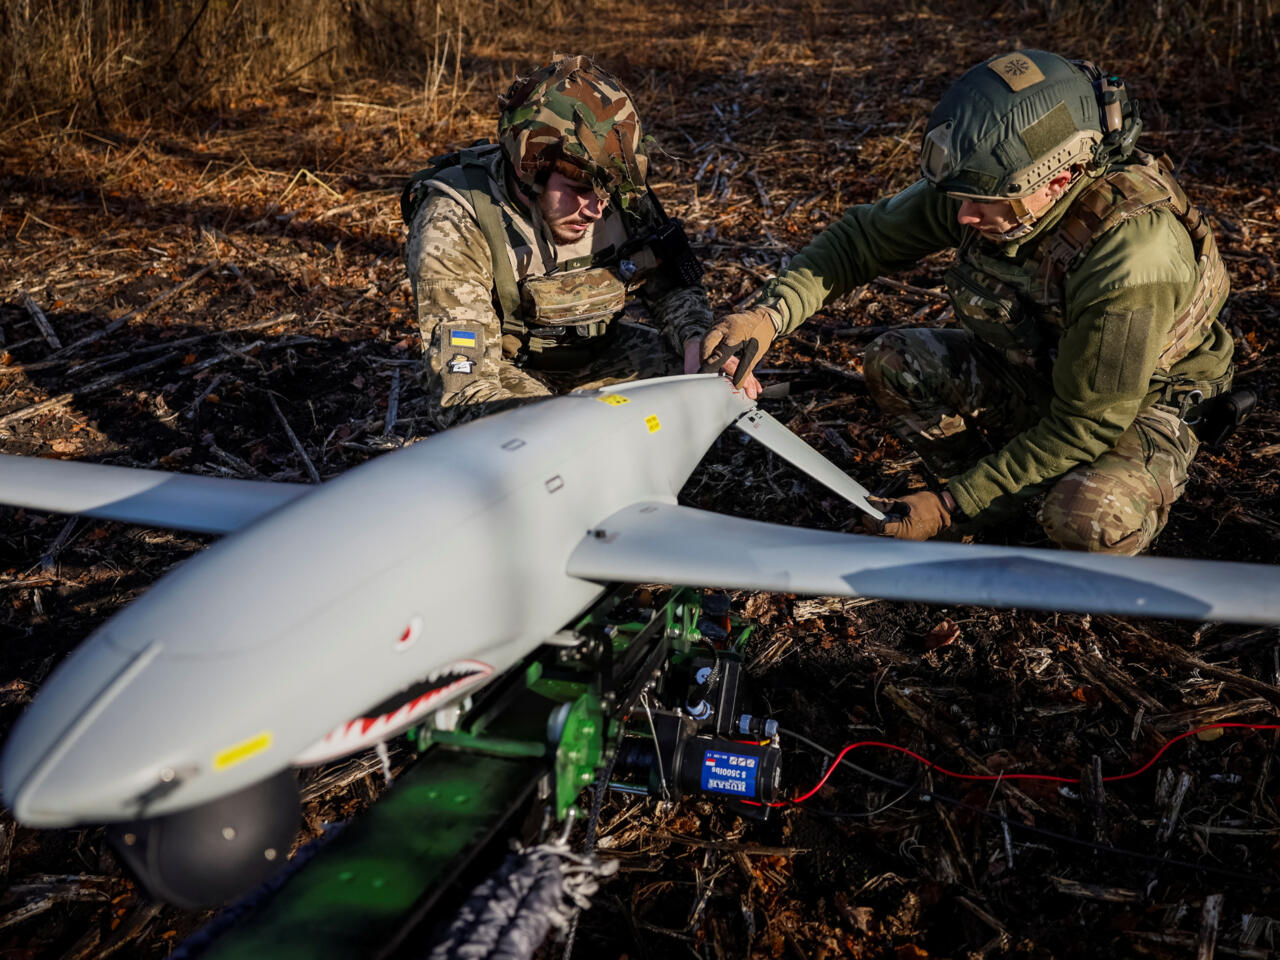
778, 438
148, 497
661, 543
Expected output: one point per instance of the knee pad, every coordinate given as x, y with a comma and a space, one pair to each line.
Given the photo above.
1081, 512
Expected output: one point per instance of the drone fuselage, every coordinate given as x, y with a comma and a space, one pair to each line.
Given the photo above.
352, 611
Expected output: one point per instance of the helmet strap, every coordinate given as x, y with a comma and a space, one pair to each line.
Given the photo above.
1025, 218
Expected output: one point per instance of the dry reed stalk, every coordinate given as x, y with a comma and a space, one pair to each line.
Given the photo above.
112, 58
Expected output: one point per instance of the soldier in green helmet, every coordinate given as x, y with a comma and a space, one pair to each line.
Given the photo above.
1088, 352
523, 254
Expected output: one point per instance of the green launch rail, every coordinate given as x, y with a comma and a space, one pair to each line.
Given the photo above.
542, 732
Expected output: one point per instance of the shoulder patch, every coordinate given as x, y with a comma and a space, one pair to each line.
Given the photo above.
1017, 70
457, 351
461, 363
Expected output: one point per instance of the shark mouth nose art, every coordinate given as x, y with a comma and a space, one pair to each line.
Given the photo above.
397, 712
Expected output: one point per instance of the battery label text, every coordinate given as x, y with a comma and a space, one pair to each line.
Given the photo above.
731, 773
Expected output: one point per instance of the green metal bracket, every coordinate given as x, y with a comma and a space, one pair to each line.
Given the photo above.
561, 690
682, 613
579, 748
366, 889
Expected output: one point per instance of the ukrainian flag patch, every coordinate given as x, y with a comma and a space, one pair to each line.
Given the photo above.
462, 338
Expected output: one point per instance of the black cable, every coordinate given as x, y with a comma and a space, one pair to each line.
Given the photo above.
589, 842
848, 763
909, 788
1018, 824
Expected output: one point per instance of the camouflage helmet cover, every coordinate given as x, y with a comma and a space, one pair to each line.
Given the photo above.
1010, 125
574, 118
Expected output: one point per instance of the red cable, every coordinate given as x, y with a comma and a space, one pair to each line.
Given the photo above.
1013, 776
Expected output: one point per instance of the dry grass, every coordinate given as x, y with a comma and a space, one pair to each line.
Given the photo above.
107, 61
1227, 35
275, 194
131, 57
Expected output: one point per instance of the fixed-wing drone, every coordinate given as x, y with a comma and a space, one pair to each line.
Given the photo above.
332, 617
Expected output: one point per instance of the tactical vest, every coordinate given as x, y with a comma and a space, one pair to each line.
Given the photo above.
560, 320
1019, 308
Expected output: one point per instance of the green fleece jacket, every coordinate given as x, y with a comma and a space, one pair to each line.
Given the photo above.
1119, 303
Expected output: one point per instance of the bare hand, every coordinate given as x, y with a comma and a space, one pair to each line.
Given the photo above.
750, 385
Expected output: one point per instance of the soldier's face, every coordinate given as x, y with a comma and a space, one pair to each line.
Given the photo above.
992, 218
570, 207
995, 218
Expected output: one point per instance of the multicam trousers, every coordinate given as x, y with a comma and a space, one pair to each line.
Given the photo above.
954, 402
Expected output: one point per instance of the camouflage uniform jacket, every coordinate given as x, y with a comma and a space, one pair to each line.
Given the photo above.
451, 270
1094, 352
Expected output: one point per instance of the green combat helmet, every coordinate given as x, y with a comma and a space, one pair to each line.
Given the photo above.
1014, 122
576, 119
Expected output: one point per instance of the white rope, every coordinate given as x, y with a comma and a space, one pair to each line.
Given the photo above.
384, 755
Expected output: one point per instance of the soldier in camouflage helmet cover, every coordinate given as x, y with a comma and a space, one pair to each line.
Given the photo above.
1086, 291
578, 122
523, 254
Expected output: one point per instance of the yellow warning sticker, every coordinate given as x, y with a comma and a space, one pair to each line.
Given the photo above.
614, 399
241, 751
653, 423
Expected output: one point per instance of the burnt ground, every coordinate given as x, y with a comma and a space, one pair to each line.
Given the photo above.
215, 273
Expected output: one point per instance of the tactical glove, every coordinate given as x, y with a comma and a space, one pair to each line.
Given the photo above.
920, 516
748, 333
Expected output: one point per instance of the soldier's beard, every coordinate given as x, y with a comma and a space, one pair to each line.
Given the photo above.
564, 216
565, 234
564, 230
